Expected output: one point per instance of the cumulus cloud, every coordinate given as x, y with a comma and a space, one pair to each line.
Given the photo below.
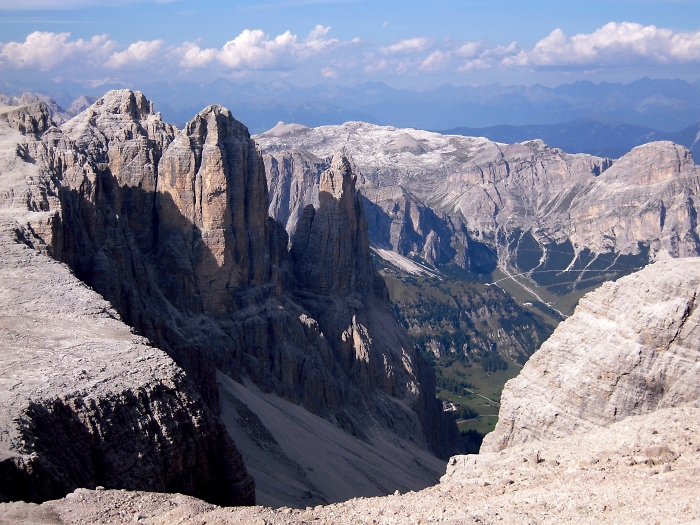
409, 45
46, 50
613, 44
471, 49
254, 49
318, 40
435, 60
135, 53
193, 57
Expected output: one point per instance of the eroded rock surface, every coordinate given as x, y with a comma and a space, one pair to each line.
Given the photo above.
171, 228
85, 401
640, 470
631, 347
567, 222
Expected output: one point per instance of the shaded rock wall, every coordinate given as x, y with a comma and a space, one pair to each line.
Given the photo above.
85, 401
172, 228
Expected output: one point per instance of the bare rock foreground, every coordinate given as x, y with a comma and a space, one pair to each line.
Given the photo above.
640, 470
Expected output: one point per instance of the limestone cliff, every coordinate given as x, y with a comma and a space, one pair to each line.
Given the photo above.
336, 281
85, 401
172, 229
563, 222
631, 347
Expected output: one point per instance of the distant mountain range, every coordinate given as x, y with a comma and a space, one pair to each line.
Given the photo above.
594, 135
664, 105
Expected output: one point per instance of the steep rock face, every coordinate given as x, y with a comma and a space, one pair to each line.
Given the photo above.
648, 196
337, 283
86, 402
397, 220
212, 191
632, 347
330, 247
292, 179
172, 229
564, 222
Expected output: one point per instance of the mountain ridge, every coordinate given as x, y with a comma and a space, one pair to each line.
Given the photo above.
171, 227
667, 105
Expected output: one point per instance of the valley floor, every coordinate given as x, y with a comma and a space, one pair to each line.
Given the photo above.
643, 469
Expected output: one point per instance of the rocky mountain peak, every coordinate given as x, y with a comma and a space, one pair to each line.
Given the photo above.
650, 163
338, 181
124, 102
120, 115
212, 191
331, 245
215, 123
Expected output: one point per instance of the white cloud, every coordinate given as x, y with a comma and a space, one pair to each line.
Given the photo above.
253, 49
613, 44
137, 52
436, 60
46, 50
409, 45
471, 49
476, 63
482, 55
318, 40
192, 56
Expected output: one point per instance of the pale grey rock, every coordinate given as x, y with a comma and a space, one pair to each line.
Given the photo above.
498, 487
631, 347
292, 178
58, 114
85, 401
567, 222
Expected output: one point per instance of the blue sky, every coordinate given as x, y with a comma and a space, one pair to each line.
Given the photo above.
406, 43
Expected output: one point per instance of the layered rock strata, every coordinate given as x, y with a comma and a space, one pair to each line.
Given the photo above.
171, 228
567, 222
631, 347
85, 401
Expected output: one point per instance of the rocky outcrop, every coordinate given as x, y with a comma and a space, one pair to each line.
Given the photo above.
172, 229
631, 347
85, 401
58, 114
640, 470
337, 283
330, 246
566, 222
